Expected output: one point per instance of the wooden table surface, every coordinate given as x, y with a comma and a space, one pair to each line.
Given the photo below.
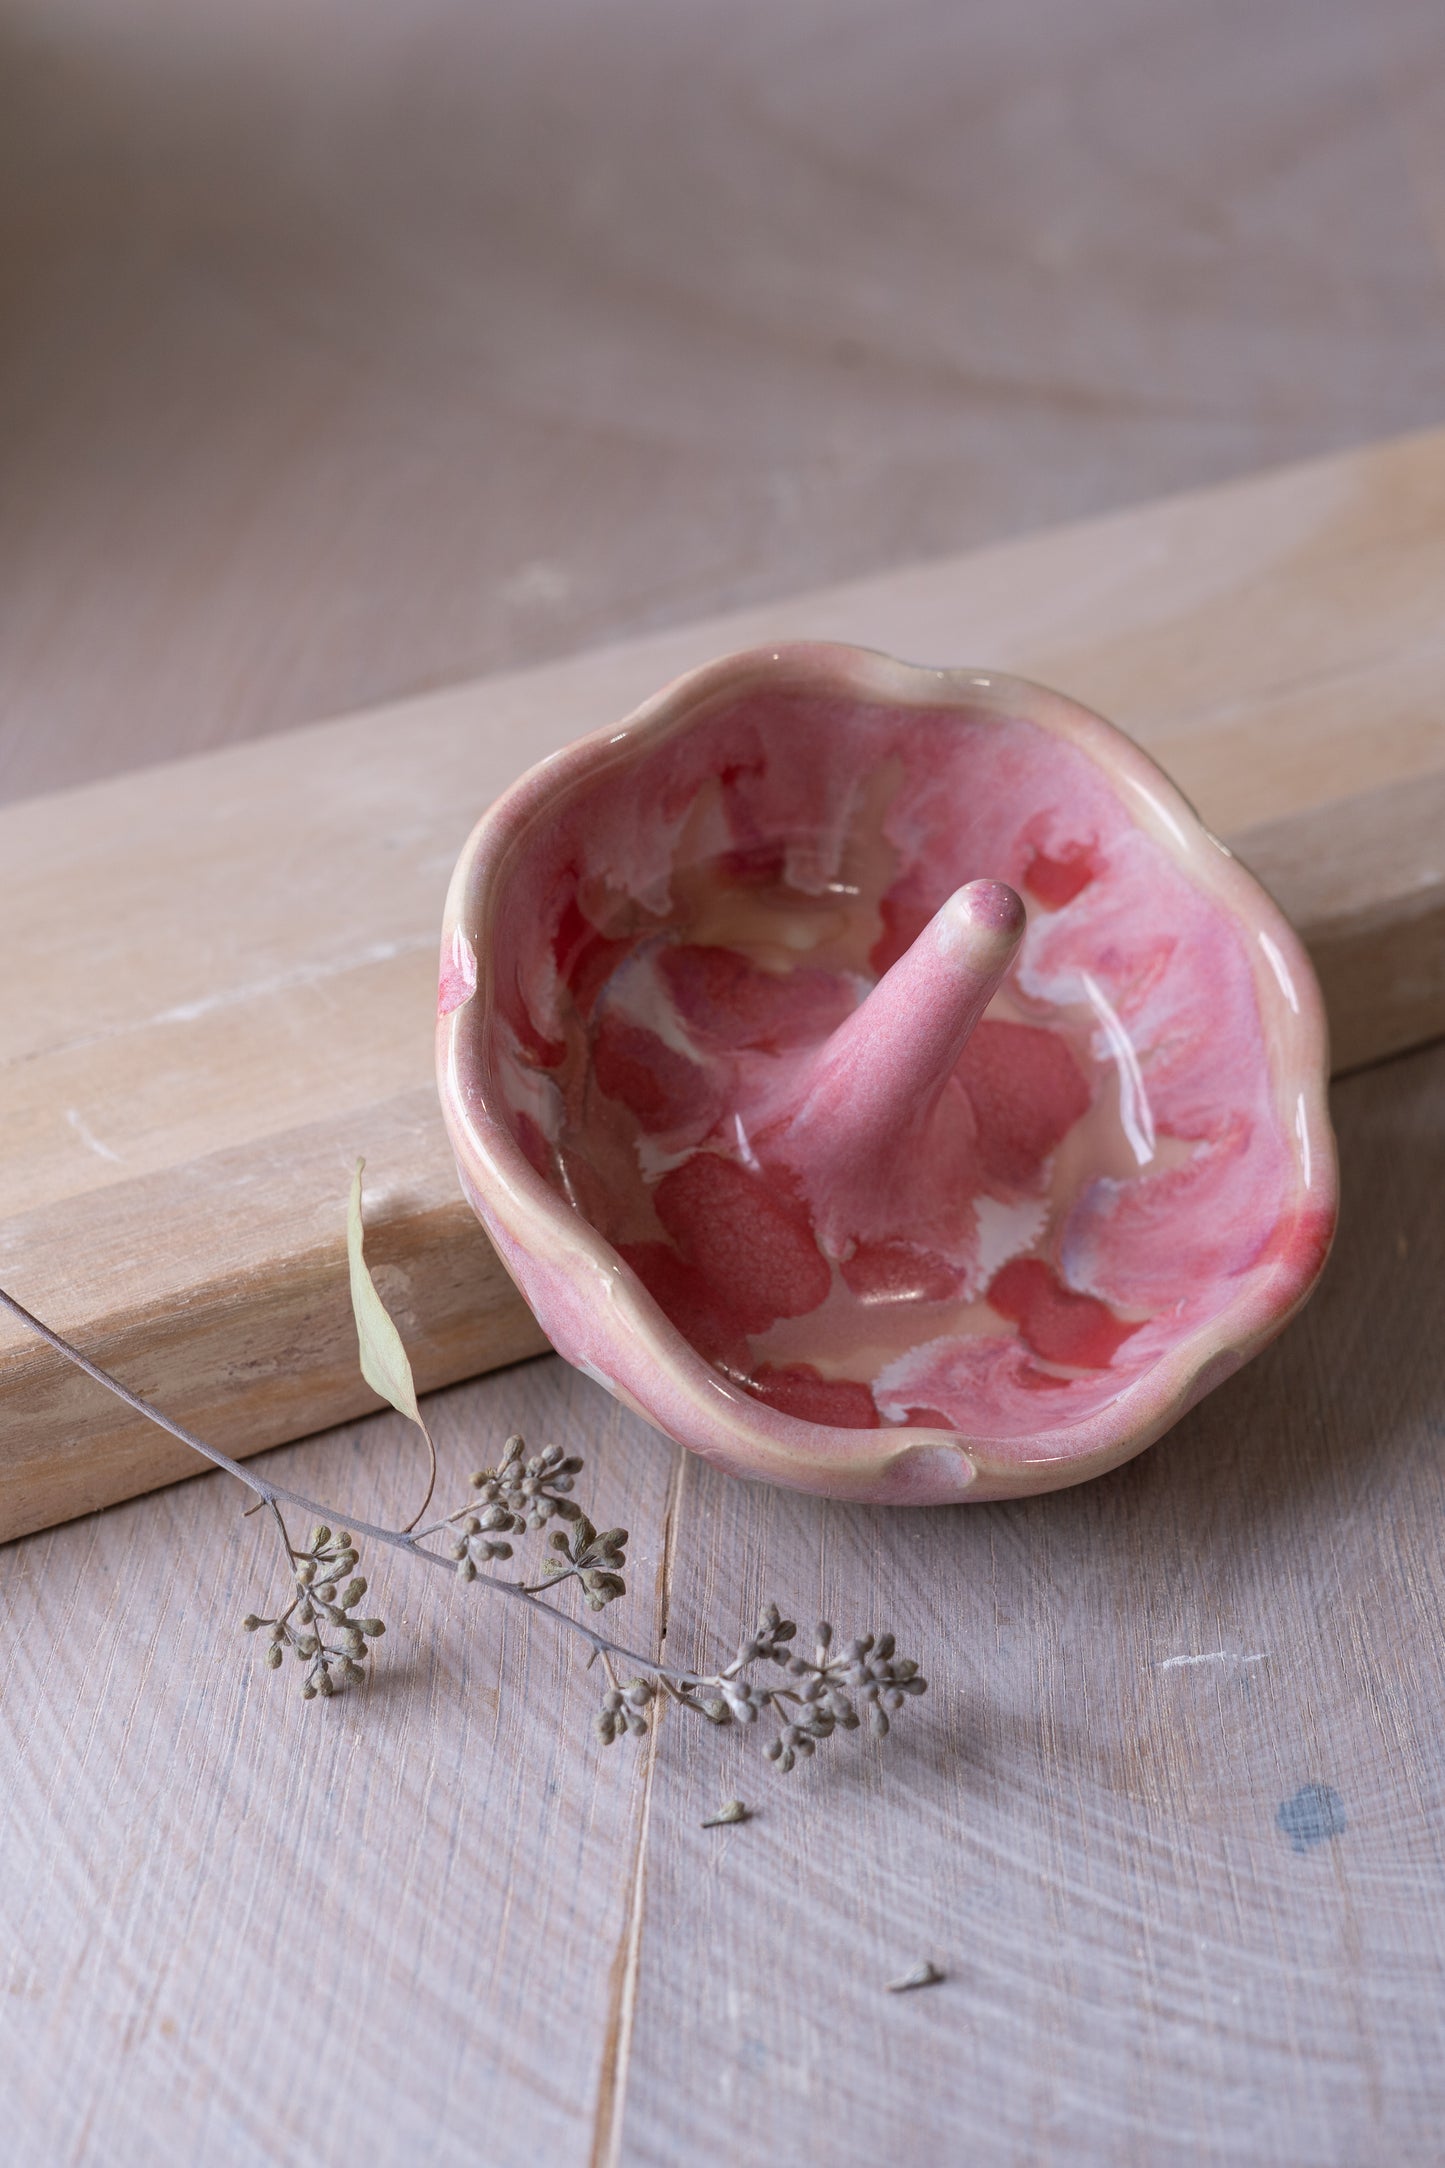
350, 349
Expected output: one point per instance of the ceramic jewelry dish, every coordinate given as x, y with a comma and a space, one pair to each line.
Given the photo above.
881, 1080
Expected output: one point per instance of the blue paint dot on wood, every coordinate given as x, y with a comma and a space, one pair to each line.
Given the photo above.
1315, 1812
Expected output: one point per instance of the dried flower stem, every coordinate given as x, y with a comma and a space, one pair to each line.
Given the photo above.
275, 1495
521, 1495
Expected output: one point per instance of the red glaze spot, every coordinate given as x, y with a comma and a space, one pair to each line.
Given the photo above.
1027, 1092
800, 1390
662, 1087
897, 1272
1057, 1324
755, 1247
902, 924
585, 958
686, 1300
1056, 879
726, 1001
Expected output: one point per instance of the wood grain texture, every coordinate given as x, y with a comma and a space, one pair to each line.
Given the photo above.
225, 992
519, 1948
353, 347
253, 1940
259, 1342
1380, 955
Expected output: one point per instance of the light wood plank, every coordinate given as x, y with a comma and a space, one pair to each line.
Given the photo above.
1381, 962
225, 992
257, 1322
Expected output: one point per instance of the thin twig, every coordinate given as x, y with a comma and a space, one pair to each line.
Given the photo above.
431, 1480
272, 1494
867, 1667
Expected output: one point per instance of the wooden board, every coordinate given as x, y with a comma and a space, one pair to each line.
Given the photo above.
224, 988
522, 1950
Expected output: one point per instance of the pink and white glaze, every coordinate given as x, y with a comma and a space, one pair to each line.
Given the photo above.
880, 1079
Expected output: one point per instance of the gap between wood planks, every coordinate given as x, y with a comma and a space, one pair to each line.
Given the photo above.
611, 2104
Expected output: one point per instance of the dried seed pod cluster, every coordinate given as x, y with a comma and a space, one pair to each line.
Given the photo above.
596, 1561
822, 1695
624, 1709
319, 1625
867, 1672
517, 1496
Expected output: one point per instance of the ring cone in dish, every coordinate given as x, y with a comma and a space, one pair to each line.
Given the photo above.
880, 1079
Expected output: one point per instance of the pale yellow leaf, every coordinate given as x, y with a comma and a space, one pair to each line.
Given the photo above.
384, 1363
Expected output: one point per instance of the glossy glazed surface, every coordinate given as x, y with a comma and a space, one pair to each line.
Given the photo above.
792, 1149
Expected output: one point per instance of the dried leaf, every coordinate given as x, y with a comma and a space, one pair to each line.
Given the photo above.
384, 1363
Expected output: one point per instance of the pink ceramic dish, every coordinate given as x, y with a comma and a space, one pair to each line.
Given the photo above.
879, 1079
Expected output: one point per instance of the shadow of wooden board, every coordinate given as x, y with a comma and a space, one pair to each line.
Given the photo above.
219, 978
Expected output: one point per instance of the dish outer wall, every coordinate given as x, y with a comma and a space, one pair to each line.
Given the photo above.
595, 1310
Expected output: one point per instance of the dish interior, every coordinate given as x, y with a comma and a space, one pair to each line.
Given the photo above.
685, 925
